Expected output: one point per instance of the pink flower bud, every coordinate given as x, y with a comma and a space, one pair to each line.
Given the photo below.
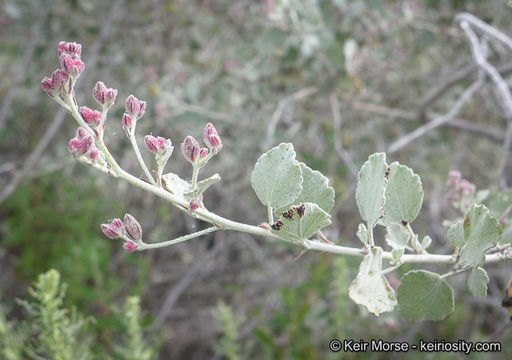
71, 65
133, 228
157, 145
135, 107
203, 153
66, 83
211, 138
81, 133
95, 154
453, 178
129, 246
57, 79
114, 229
71, 48
467, 188
91, 117
190, 149
103, 95
194, 205
47, 86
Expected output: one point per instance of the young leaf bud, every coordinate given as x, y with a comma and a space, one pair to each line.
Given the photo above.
190, 149
133, 228
211, 138
114, 229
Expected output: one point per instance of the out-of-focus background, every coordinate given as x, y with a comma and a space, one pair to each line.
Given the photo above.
339, 79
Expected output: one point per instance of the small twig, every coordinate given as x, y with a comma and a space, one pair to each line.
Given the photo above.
278, 112
441, 120
484, 28
454, 272
338, 146
501, 85
145, 246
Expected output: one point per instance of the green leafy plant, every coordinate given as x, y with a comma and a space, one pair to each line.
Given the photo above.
52, 331
387, 195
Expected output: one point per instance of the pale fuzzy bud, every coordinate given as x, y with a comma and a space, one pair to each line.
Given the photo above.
91, 117
129, 246
103, 95
190, 149
211, 138
114, 229
203, 153
194, 205
135, 107
95, 154
133, 228
157, 145
71, 48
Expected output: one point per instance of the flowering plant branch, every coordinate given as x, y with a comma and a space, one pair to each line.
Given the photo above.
387, 195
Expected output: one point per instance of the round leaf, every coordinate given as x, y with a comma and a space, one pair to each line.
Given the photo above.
404, 195
423, 295
481, 233
300, 222
370, 288
370, 188
477, 282
315, 189
276, 177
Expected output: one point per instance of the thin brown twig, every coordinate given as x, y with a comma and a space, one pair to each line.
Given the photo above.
441, 120
501, 85
338, 146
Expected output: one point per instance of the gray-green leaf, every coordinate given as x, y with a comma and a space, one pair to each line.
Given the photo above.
176, 185
370, 288
404, 195
300, 222
276, 177
481, 233
201, 186
397, 236
423, 295
370, 188
315, 189
455, 234
362, 234
477, 282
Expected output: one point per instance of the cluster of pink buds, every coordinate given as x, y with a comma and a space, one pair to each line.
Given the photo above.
69, 58
460, 191
91, 117
104, 96
72, 66
83, 145
135, 109
129, 230
157, 145
194, 153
